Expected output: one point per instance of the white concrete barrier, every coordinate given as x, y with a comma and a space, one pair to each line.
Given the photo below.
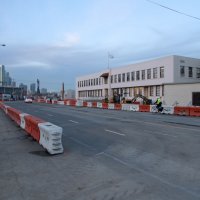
126, 107
168, 110
23, 121
51, 137
60, 102
134, 107
99, 105
111, 106
5, 109
79, 103
153, 108
89, 104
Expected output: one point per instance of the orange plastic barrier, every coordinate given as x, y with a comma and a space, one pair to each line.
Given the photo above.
49, 102
84, 104
105, 105
195, 111
181, 110
32, 126
14, 114
118, 106
144, 108
72, 102
94, 104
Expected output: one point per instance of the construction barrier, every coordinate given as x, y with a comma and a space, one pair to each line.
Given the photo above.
195, 111
94, 104
14, 114
23, 121
134, 107
79, 103
144, 108
51, 137
89, 104
153, 108
168, 110
84, 104
126, 107
118, 106
47, 134
105, 105
111, 106
181, 110
54, 101
49, 101
60, 102
31, 126
99, 105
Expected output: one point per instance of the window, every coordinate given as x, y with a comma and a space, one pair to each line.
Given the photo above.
123, 77
97, 81
137, 75
143, 74
148, 73
157, 90
155, 73
91, 82
111, 79
132, 76
151, 91
116, 78
190, 73
161, 72
198, 72
128, 76
94, 82
182, 71
119, 78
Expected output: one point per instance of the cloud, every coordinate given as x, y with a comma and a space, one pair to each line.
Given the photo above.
70, 40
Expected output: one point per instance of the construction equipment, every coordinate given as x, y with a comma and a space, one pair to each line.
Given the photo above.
146, 101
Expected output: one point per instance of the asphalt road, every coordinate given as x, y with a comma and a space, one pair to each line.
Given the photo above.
122, 155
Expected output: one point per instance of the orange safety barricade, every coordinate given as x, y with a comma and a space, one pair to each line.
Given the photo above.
14, 114
144, 108
181, 110
84, 104
32, 126
94, 104
105, 105
195, 111
118, 106
72, 102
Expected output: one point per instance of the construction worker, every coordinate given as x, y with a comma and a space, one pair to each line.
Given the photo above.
159, 104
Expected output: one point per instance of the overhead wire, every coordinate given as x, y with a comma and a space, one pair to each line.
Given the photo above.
171, 9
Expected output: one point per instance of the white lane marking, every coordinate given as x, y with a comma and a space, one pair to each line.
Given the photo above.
73, 121
159, 133
50, 115
115, 132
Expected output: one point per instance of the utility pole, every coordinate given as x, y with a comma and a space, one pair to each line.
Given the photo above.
63, 91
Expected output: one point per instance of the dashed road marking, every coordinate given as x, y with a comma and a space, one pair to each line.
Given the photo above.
115, 132
73, 121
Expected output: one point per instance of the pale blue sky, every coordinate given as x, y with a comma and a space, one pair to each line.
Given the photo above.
57, 40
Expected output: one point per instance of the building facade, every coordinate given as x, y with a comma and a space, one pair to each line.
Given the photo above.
147, 78
33, 88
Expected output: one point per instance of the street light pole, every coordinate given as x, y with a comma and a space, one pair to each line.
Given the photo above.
109, 76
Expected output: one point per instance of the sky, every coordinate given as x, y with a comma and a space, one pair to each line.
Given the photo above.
59, 40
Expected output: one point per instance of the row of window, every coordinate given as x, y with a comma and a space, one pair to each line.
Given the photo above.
125, 77
190, 71
138, 75
126, 92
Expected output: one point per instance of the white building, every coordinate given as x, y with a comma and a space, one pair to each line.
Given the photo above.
148, 78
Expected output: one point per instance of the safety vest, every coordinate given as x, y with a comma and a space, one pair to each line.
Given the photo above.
158, 101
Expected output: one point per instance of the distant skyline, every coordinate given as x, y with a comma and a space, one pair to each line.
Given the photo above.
58, 40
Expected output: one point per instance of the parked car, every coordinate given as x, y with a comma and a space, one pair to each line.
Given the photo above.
28, 100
